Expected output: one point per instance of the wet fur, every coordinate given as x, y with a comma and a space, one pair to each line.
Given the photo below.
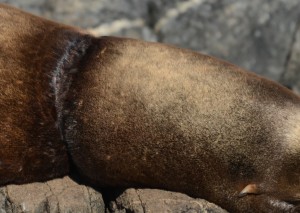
133, 113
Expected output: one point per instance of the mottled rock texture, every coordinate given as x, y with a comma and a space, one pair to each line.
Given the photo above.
153, 200
291, 76
66, 196
55, 196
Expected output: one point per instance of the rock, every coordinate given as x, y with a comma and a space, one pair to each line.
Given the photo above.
153, 200
291, 76
64, 195
89, 13
256, 35
104, 17
56, 196
37, 7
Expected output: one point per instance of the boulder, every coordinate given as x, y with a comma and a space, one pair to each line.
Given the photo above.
256, 35
291, 76
55, 196
153, 200
64, 196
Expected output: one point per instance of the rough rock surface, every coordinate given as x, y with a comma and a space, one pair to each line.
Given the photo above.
153, 200
256, 35
291, 76
56, 196
64, 196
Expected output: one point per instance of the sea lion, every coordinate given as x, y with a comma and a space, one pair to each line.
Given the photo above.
133, 113
31, 145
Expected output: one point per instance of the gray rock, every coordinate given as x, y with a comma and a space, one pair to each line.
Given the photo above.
256, 35
56, 196
104, 17
37, 7
153, 200
291, 76
89, 13
3, 200
64, 195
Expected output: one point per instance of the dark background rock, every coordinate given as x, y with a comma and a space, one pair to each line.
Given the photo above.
291, 76
260, 35
256, 35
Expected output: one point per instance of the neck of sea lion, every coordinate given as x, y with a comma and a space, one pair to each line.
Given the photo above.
35, 73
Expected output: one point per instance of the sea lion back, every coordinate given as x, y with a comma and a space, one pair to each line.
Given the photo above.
154, 115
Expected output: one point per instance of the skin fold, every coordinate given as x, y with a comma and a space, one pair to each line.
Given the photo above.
129, 113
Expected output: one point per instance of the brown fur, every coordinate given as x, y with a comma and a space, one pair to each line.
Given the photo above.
134, 113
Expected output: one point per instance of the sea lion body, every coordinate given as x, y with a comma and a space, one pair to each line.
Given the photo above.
134, 113
31, 148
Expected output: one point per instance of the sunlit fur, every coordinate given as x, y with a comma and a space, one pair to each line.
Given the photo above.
129, 113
